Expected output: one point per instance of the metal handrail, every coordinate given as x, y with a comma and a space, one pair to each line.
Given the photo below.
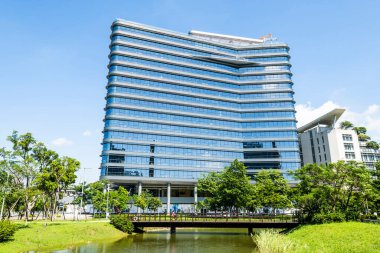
194, 217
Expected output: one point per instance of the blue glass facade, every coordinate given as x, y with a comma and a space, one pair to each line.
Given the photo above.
179, 106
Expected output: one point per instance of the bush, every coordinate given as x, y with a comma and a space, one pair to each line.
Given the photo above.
7, 230
328, 217
368, 217
122, 223
270, 241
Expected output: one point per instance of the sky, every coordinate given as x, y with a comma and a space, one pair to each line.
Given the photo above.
54, 56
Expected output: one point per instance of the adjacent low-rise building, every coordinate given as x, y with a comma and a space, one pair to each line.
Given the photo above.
322, 142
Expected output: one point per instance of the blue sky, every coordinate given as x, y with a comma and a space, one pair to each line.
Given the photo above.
53, 58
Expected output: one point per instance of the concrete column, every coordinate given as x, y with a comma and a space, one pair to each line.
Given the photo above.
139, 190
195, 194
168, 199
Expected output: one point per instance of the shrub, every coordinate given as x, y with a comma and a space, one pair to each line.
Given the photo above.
328, 217
270, 241
368, 217
122, 223
7, 230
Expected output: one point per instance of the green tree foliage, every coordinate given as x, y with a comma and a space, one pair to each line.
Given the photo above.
337, 188
96, 194
230, 189
363, 137
56, 176
142, 200
346, 125
36, 176
373, 145
375, 203
360, 130
154, 203
119, 199
272, 190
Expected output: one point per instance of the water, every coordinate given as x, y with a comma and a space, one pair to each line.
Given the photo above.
194, 240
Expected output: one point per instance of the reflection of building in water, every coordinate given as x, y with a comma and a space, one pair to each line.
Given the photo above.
180, 106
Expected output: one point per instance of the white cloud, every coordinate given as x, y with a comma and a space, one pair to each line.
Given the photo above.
61, 142
87, 133
307, 113
369, 118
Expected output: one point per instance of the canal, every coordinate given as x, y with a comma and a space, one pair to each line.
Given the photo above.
185, 240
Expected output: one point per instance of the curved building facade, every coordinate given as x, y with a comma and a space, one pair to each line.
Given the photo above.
182, 105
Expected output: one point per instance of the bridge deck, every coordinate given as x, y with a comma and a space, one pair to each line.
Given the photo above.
213, 221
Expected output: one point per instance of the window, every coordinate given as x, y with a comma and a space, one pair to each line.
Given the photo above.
348, 146
347, 137
350, 155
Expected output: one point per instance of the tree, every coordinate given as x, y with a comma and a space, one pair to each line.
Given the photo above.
37, 177
360, 130
23, 165
363, 137
272, 190
229, 189
56, 175
373, 145
141, 201
375, 203
336, 188
96, 195
154, 203
119, 199
346, 125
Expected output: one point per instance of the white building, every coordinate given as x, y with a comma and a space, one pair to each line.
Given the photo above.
369, 155
322, 142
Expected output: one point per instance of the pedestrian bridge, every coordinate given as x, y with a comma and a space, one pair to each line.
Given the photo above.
213, 221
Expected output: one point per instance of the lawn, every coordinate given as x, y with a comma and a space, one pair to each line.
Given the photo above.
355, 237
58, 235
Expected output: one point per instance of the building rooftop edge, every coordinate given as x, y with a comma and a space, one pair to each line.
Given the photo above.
210, 38
223, 36
329, 119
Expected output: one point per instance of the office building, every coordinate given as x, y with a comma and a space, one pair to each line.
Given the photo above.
322, 142
182, 105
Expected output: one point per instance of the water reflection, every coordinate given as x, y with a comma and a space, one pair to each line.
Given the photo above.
184, 241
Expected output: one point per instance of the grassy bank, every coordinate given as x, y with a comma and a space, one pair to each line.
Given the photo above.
338, 237
59, 235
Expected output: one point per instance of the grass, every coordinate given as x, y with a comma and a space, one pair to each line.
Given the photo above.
269, 241
58, 235
355, 237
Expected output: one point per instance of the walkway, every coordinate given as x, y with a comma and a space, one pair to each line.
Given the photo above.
213, 221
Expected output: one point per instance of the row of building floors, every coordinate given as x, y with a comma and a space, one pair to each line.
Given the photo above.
179, 106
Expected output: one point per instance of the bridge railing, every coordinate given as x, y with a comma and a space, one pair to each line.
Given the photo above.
224, 217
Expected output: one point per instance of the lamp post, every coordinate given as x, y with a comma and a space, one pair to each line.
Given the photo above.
107, 212
81, 199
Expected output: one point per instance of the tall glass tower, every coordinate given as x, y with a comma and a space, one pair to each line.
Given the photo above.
182, 105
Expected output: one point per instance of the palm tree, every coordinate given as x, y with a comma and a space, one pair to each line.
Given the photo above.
346, 125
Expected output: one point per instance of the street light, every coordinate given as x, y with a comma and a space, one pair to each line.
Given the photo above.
81, 199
